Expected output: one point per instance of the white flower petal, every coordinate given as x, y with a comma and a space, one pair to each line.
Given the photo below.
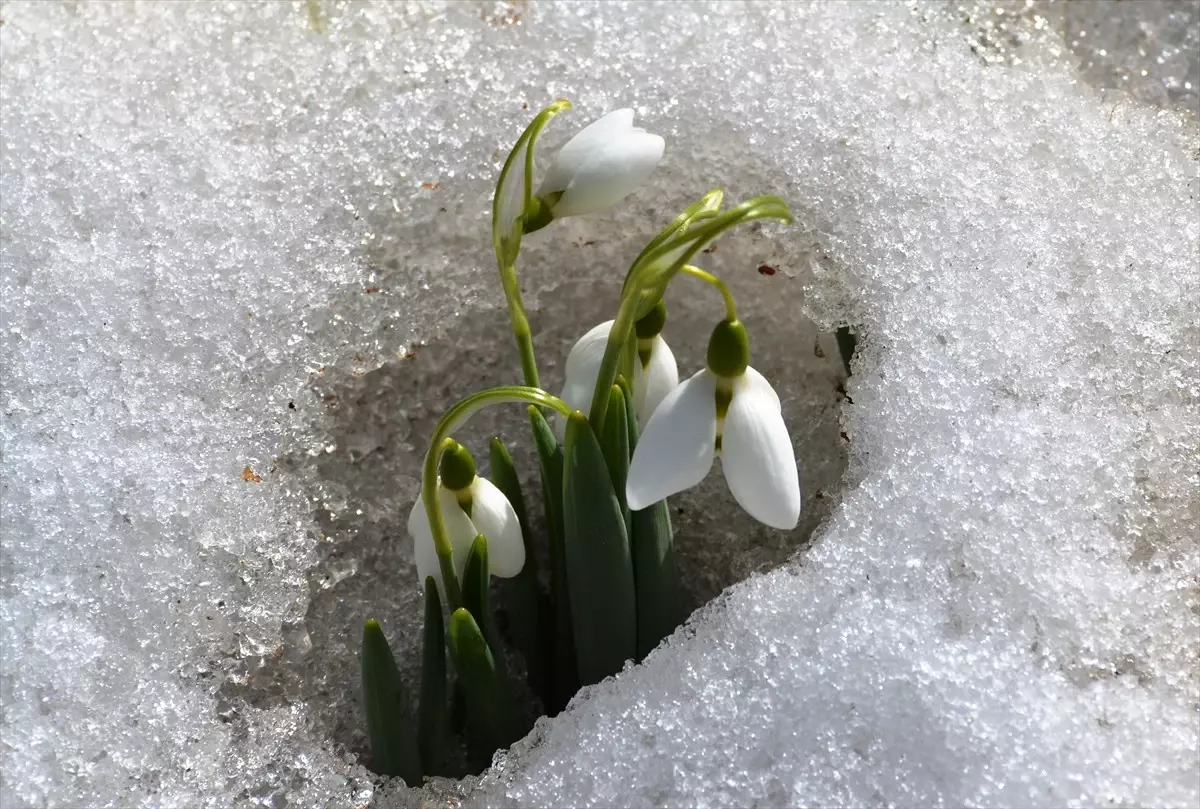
611, 173
757, 455
759, 382
424, 551
583, 366
677, 446
494, 517
661, 376
458, 527
510, 198
571, 157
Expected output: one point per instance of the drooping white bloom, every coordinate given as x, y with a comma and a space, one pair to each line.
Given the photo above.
653, 378
678, 445
600, 166
491, 515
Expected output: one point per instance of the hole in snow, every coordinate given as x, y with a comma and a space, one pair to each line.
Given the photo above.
378, 424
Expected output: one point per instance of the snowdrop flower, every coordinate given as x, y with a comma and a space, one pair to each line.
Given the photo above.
655, 373
596, 169
470, 506
728, 409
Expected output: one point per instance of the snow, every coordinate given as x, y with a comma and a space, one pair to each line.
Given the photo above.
245, 264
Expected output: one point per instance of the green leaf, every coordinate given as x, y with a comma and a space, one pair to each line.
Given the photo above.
528, 610
490, 708
655, 575
615, 443
565, 676
599, 570
477, 581
431, 713
394, 749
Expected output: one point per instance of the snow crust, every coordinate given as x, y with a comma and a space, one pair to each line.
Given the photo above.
245, 263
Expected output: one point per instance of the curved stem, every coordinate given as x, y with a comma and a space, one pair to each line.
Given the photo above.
453, 418
507, 227
712, 280
520, 325
618, 336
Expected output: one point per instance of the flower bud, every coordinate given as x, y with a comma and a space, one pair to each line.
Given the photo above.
598, 168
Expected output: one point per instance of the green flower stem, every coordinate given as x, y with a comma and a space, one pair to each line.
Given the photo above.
506, 236
520, 325
712, 280
659, 265
618, 336
452, 418
655, 267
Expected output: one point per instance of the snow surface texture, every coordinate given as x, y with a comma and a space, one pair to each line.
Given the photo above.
226, 228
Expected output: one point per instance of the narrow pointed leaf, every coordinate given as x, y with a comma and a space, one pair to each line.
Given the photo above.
564, 673
615, 443
477, 581
527, 607
504, 475
394, 749
599, 570
431, 713
655, 575
490, 712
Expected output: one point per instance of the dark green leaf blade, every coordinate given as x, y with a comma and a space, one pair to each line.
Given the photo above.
615, 443
599, 570
431, 713
490, 714
655, 575
477, 580
394, 749
565, 676
526, 604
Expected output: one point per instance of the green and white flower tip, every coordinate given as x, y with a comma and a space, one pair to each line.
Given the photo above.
728, 409
596, 169
470, 506
655, 373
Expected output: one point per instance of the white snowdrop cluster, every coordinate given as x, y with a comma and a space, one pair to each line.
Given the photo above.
213, 211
